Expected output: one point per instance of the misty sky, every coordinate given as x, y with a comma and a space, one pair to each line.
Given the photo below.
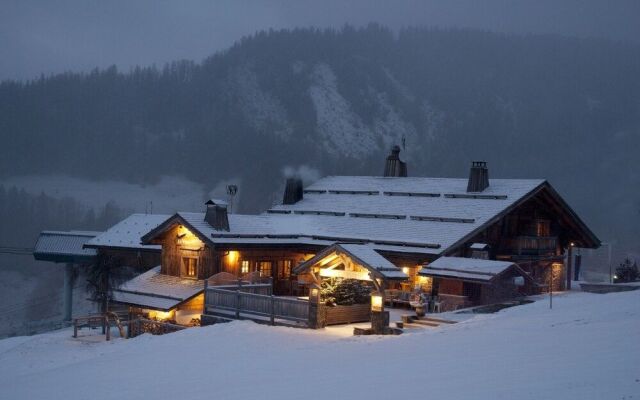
54, 36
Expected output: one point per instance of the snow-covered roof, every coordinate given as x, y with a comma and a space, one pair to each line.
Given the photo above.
64, 246
127, 233
155, 290
466, 268
364, 254
427, 215
370, 257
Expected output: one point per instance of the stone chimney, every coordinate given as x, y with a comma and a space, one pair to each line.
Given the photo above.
293, 192
478, 177
394, 166
216, 215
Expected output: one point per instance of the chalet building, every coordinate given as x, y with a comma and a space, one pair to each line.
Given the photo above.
468, 241
119, 246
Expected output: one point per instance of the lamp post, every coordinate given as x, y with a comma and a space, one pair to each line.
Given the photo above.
379, 317
317, 316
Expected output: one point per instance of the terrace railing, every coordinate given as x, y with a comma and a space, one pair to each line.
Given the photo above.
238, 303
531, 245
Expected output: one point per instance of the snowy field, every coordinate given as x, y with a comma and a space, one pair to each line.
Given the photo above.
587, 347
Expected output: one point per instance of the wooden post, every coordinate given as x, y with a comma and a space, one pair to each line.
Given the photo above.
204, 304
238, 299
75, 328
273, 311
106, 322
67, 296
569, 265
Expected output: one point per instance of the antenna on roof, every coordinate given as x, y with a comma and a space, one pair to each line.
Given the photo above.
232, 190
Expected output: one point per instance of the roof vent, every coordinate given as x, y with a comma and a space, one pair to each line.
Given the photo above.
292, 191
394, 167
478, 177
216, 215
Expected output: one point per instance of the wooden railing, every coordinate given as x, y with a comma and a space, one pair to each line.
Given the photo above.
531, 245
240, 304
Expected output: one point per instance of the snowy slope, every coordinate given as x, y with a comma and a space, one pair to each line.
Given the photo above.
585, 348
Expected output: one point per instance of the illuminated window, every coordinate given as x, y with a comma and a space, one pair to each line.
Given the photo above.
284, 271
244, 267
264, 267
189, 267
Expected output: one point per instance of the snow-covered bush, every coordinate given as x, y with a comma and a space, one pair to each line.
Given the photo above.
344, 292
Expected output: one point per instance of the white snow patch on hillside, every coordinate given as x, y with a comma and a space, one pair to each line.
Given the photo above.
390, 126
585, 348
432, 119
170, 194
342, 130
263, 112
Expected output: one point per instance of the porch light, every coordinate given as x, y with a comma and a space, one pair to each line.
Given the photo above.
233, 256
314, 294
377, 302
405, 270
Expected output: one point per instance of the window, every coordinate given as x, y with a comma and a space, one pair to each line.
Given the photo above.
264, 267
244, 267
190, 267
542, 228
284, 271
481, 254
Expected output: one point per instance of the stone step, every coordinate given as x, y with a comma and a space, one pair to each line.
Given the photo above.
414, 325
438, 320
425, 323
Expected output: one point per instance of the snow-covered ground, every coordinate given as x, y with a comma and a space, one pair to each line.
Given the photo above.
587, 347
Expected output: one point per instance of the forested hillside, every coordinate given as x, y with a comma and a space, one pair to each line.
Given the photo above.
335, 101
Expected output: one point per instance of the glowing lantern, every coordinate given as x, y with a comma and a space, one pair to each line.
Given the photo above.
314, 294
377, 302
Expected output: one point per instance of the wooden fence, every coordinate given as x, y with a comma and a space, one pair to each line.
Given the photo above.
242, 304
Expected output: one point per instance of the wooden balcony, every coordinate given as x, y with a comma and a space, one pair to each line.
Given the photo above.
530, 245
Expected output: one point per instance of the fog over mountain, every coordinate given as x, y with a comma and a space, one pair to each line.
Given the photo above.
335, 101
41, 36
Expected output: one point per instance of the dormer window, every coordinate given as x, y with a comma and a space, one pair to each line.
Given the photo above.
480, 250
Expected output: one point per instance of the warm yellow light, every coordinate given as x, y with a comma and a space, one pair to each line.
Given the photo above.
244, 267
233, 256
377, 302
186, 238
160, 315
405, 270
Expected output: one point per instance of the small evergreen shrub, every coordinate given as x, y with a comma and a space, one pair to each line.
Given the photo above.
627, 272
344, 292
